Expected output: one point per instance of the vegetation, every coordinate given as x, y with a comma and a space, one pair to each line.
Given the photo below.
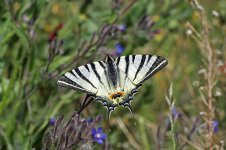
181, 107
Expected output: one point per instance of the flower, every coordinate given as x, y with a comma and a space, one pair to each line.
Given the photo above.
119, 49
122, 28
52, 121
76, 132
89, 120
215, 126
175, 113
98, 135
53, 35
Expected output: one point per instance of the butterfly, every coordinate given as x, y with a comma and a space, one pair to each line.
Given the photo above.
114, 81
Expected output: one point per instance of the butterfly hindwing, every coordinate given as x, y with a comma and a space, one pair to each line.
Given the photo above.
84, 78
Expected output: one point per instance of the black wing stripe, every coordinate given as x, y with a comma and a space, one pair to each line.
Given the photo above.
108, 83
140, 66
127, 65
150, 74
101, 64
70, 82
133, 57
73, 73
83, 77
118, 60
149, 57
119, 78
87, 68
157, 62
95, 71
111, 71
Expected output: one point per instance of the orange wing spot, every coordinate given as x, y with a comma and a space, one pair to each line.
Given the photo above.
111, 96
116, 95
121, 93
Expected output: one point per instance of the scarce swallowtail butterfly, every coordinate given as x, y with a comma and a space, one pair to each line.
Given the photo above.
113, 82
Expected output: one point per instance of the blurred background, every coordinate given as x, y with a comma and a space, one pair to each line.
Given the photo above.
181, 107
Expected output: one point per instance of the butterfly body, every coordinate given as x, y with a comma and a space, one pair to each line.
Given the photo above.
113, 82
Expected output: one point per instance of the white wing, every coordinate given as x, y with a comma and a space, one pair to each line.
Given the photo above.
84, 78
132, 70
138, 68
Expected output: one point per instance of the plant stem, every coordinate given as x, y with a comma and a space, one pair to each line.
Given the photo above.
172, 132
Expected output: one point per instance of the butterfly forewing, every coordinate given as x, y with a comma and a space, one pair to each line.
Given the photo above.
84, 78
138, 68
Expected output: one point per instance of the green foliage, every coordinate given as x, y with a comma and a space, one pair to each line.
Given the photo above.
29, 95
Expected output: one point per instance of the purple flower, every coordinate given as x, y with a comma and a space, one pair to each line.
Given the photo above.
52, 121
122, 28
98, 135
215, 126
175, 113
89, 120
119, 49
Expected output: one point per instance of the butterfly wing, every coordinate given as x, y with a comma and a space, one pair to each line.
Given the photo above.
134, 70
139, 68
85, 78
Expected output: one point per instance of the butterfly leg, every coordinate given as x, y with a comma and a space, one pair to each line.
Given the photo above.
88, 99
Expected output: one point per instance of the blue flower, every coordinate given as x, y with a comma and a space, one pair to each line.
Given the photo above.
119, 49
98, 135
215, 126
52, 121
